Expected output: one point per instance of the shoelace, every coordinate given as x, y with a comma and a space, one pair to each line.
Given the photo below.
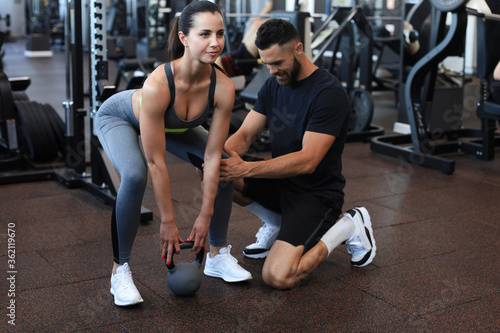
264, 232
125, 277
228, 257
354, 246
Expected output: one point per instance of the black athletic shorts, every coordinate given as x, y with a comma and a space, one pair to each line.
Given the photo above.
304, 217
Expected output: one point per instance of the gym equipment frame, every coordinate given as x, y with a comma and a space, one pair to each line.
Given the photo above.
103, 180
423, 146
356, 59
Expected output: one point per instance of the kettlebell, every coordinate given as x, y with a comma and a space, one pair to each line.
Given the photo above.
184, 278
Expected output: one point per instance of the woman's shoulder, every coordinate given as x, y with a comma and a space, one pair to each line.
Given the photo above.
159, 71
223, 81
156, 82
157, 76
224, 90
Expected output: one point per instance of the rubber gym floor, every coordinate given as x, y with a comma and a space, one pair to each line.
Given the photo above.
436, 269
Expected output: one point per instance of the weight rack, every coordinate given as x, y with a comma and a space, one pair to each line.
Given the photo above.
103, 180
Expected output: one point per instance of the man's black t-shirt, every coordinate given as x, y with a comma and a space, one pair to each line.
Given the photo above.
319, 104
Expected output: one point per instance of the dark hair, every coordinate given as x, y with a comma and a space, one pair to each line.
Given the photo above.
184, 23
275, 31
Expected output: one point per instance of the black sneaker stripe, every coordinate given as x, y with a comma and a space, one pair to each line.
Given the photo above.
368, 254
357, 210
254, 251
362, 261
366, 229
369, 236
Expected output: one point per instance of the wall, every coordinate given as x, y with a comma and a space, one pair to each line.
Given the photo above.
15, 8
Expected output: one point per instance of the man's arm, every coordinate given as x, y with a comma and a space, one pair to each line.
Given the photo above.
314, 148
252, 126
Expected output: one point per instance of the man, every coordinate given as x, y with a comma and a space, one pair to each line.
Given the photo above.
307, 111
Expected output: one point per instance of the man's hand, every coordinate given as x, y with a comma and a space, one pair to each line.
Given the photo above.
232, 168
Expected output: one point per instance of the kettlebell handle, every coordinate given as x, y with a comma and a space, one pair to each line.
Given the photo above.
186, 245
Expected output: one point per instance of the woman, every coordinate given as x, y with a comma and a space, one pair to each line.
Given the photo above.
168, 111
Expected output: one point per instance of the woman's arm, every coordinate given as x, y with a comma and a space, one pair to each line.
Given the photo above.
155, 100
267, 8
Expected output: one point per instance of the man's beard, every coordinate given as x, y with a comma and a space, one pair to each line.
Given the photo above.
290, 77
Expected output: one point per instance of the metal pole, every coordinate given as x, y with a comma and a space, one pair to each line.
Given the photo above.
75, 126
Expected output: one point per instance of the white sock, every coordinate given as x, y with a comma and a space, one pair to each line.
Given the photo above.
266, 215
339, 233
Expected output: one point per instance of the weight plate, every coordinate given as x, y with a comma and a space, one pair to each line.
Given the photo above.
25, 131
55, 140
36, 140
448, 5
51, 146
57, 126
6, 99
46, 141
19, 96
361, 110
36, 135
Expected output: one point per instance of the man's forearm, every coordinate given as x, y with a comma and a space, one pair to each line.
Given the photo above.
289, 165
238, 144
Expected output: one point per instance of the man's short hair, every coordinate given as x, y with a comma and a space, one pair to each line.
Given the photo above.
275, 31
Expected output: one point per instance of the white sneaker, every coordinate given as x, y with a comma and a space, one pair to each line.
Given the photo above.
123, 287
362, 244
225, 266
266, 236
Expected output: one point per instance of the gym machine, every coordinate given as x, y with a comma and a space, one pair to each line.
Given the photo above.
386, 20
130, 70
152, 21
11, 90
122, 45
103, 180
424, 144
355, 26
488, 110
35, 127
353, 39
37, 29
4, 34
116, 22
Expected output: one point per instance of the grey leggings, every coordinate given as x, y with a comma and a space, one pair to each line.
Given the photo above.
118, 131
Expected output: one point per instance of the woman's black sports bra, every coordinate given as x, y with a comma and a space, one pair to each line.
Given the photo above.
174, 124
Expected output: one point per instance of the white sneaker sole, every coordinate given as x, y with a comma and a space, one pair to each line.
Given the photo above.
368, 226
217, 274
120, 303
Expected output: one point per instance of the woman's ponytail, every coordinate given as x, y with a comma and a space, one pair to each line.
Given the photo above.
175, 48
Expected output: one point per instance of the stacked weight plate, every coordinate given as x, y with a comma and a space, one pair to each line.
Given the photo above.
41, 131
